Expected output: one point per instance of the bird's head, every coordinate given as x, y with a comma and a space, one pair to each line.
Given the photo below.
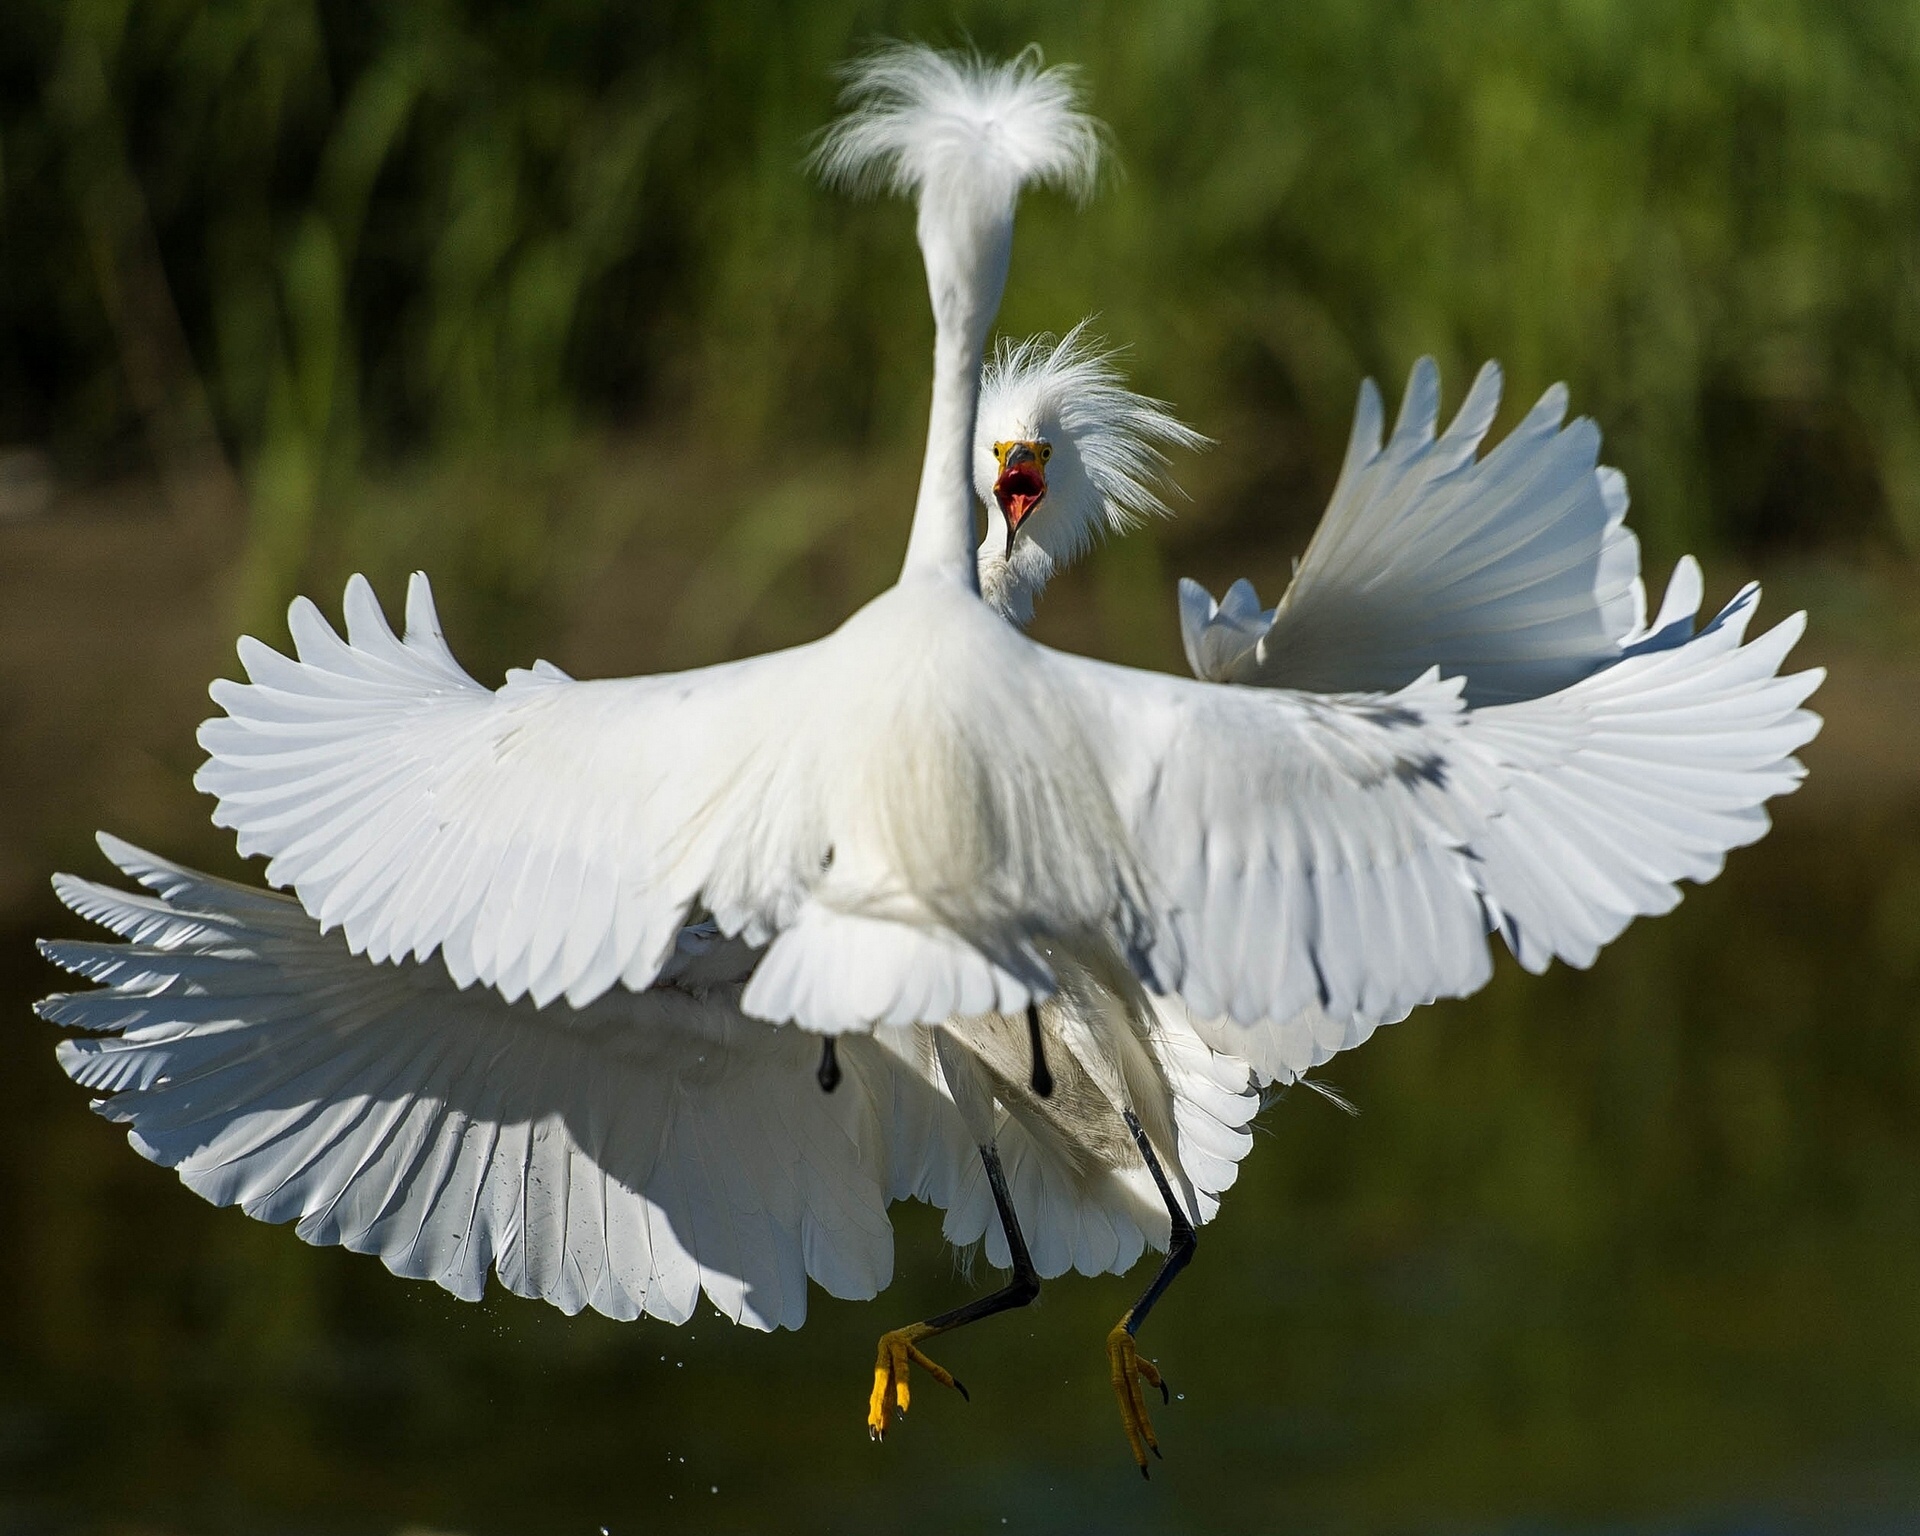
1063, 453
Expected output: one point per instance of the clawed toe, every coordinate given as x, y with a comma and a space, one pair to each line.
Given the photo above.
1127, 1370
899, 1350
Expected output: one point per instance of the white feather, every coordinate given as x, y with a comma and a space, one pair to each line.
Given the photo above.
1514, 570
622, 1157
920, 121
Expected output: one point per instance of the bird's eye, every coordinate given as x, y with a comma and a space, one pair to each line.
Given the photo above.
1046, 452
1000, 452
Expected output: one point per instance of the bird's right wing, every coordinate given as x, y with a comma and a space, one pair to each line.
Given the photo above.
549, 838
1610, 793
1640, 776
1295, 850
1515, 570
1328, 862
625, 1157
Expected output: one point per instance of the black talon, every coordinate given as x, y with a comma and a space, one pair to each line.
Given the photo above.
1144, 1472
1042, 1074
1156, 1451
961, 1387
1166, 1394
829, 1073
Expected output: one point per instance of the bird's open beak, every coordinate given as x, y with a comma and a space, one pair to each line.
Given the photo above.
1022, 484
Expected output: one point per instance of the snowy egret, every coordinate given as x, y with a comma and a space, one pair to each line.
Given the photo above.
1129, 883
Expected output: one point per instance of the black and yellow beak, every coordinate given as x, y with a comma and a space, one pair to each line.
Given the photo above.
1022, 484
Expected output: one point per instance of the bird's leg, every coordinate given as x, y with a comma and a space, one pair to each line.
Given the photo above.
1042, 1074
1125, 1365
828, 1075
901, 1347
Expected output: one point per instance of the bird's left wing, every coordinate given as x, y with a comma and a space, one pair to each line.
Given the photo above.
627, 1157
548, 838
1295, 849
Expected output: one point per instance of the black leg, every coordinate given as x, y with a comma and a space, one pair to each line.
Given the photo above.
1181, 1241
829, 1073
1126, 1369
1024, 1285
1042, 1073
900, 1348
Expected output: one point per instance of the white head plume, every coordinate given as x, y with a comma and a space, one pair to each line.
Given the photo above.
1108, 472
962, 136
922, 123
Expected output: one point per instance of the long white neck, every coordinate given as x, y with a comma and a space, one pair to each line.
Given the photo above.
966, 251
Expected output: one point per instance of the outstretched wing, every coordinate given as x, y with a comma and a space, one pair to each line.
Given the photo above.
1320, 864
625, 1157
548, 838
1639, 776
1515, 571
1608, 794
1297, 850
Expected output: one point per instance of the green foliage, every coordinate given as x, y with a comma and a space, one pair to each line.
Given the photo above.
475, 231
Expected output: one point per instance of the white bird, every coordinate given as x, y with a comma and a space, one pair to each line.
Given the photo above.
926, 817
599, 1157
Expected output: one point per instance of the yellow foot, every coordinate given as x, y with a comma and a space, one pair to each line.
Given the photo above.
1128, 1370
898, 1350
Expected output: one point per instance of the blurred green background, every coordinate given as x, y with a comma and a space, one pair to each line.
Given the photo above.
538, 297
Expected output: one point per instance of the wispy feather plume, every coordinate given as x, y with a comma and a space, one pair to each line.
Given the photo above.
1071, 391
1110, 469
918, 119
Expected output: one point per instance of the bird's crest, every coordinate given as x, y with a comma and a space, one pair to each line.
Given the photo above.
920, 122
1111, 472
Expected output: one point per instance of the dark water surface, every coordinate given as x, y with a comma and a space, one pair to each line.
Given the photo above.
1636, 1250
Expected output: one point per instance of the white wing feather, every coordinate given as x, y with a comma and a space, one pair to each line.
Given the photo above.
626, 1157
1609, 792
1514, 570
1640, 776
1628, 753
549, 838
1298, 850
1285, 1050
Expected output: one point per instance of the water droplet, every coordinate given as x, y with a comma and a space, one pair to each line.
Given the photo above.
1179, 1397
713, 1488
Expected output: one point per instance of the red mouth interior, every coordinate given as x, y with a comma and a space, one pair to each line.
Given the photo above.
1019, 490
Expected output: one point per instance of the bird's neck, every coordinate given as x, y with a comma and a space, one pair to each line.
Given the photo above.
966, 261
1011, 586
